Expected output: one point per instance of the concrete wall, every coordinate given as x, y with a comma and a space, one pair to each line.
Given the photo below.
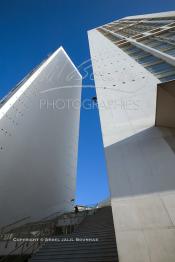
39, 143
140, 157
126, 91
142, 180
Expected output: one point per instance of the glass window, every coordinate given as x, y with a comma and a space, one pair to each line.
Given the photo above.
163, 66
167, 78
171, 52
148, 59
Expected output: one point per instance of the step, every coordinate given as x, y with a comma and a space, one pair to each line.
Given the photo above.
78, 252
59, 249
77, 255
78, 243
82, 245
92, 220
82, 236
94, 232
81, 259
107, 225
88, 232
92, 229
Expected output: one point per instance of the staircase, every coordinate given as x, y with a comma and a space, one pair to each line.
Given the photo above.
100, 244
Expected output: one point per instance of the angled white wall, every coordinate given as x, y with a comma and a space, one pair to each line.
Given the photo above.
126, 91
140, 157
39, 141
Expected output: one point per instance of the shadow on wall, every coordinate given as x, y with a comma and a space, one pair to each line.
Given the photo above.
142, 164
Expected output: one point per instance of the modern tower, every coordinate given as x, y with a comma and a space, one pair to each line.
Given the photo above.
39, 129
134, 69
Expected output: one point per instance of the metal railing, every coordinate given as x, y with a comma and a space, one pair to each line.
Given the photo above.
2, 229
39, 232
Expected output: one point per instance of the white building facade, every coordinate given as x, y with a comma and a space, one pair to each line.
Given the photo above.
134, 69
39, 130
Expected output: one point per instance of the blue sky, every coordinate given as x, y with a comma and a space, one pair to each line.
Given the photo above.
31, 29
